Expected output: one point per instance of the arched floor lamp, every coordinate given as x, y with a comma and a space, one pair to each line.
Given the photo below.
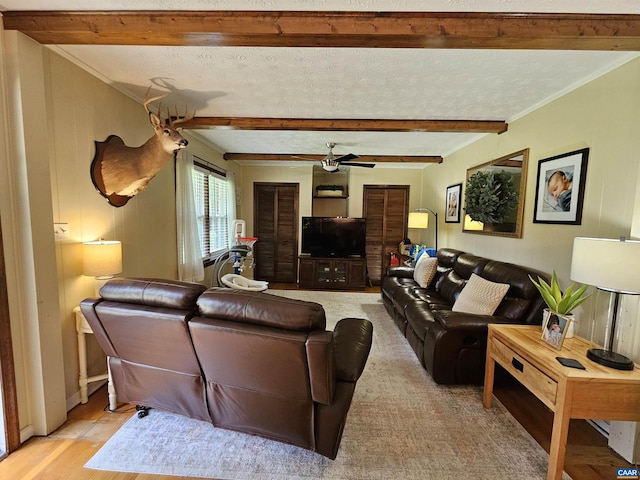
420, 219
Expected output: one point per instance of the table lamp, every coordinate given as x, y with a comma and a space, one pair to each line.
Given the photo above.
612, 266
102, 259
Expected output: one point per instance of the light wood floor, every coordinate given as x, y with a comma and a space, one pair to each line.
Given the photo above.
61, 455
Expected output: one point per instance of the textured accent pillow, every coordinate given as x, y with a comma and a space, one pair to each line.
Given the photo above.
425, 270
480, 296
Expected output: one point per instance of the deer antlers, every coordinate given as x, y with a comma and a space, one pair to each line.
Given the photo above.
172, 121
178, 119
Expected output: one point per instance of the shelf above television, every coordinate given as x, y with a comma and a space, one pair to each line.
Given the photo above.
330, 196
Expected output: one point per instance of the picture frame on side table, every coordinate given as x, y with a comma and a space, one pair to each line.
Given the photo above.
554, 329
560, 188
452, 207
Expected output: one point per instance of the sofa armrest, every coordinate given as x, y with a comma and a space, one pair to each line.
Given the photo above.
322, 371
352, 339
400, 271
451, 320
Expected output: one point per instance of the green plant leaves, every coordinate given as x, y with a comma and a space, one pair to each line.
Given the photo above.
562, 303
490, 196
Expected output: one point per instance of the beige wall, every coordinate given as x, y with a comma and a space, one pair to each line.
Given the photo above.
601, 115
302, 174
55, 113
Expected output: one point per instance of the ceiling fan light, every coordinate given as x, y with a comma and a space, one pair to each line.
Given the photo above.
330, 165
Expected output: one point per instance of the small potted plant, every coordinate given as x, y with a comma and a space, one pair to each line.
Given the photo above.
559, 303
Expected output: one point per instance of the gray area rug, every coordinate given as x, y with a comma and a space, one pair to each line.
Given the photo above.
401, 425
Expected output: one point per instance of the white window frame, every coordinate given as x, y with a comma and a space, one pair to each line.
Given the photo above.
210, 187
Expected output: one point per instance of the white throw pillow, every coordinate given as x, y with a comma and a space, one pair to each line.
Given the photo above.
480, 296
425, 270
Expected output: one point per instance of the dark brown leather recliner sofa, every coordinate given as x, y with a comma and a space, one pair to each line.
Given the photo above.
450, 345
246, 361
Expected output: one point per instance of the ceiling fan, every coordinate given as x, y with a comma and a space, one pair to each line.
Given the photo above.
331, 163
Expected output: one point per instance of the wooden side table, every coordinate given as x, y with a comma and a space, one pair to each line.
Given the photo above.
83, 328
595, 393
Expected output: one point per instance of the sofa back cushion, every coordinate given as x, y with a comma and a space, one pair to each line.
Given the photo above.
153, 292
453, 281
260, 308
523, 303
258, 378
446, 260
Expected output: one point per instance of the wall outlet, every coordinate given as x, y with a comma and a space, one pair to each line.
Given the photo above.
61, 231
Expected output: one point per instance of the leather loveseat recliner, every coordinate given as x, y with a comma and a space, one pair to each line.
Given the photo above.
451, 345
246, 361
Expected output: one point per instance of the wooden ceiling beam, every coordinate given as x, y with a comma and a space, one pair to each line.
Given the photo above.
545, 31
361, 159
338, 125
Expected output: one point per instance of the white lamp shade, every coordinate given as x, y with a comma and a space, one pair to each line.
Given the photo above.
102, 258
608, 264
418, 220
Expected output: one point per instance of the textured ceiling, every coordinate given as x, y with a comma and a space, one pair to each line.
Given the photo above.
344, 82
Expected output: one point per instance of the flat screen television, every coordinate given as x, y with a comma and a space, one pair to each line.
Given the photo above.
340, 237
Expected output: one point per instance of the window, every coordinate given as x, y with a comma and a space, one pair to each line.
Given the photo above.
211, 198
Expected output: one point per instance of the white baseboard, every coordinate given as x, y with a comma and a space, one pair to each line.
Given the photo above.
26, 433
74, 400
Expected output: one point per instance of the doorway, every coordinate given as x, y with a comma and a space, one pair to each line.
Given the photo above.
386, 208
275, 224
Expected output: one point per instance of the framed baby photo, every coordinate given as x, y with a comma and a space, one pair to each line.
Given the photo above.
452, 208
560, 188
554, 329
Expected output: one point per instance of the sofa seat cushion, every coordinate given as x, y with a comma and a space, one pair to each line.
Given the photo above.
390, 284
480, 296
419, 318
404, 296
432, 298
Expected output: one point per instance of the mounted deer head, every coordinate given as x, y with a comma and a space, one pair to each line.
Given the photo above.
120, 172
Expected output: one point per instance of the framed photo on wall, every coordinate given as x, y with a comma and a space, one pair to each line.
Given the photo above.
452, 207
560, 188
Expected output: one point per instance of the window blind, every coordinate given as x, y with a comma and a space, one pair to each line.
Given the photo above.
210, 190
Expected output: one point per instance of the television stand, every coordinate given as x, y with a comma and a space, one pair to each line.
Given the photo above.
332, 273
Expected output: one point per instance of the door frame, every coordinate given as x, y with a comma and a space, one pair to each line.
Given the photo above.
296, 236
7, 369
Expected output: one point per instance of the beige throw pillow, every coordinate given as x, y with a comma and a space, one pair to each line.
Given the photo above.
425, 270
480, 296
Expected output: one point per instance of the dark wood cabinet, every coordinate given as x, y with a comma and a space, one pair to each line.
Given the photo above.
333, 273
276, 226
386, 208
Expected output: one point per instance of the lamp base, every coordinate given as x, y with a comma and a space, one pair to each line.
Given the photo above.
609, 359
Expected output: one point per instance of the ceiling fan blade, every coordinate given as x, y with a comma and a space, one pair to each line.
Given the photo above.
347, 157
304, 158
351, 164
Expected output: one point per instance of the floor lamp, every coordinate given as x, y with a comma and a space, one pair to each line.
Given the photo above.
420, 219
612, 266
